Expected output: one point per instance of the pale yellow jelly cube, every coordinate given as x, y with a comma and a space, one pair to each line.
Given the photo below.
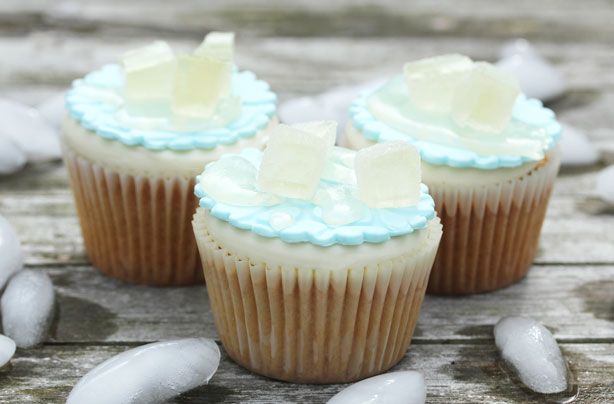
149, 74
200, 83
294, 159
219, 45
388, 175
485, 99
431, 82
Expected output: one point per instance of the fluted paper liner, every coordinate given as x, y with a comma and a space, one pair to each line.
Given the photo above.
136, 228
314, 325
490, 232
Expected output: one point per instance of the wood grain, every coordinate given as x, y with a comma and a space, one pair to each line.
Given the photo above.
304, 48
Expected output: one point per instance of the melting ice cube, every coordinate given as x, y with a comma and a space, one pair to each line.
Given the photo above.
218, 45
12, 158
29, 131
7, 349
604, 184
533, 352
405, 387
484, 100
11, 257
232, 180
388, 175
293, 162
149, 374
576, 148
150, 73
27, 307
431, 82
339, 205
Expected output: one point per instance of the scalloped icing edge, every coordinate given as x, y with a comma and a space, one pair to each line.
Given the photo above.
324, 235
373, 129
258, 108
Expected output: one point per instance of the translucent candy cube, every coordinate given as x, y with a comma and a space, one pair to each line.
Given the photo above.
484, 101
149, 75
199, 84
218, 45
431, 82
294, 159
388, 175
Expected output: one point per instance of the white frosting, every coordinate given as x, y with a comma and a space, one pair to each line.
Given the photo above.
442, 174
246, 244
141, 161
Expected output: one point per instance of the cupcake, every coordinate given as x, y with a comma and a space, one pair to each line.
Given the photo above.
316, 257
489, 157
135, 136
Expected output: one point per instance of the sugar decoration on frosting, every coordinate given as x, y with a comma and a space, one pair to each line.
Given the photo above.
192, 90
302, 188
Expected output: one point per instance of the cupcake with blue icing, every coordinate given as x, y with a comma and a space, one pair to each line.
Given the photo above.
489, 157
316, 257
135, 136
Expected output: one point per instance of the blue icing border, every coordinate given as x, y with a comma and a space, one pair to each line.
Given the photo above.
378, 226
528, 110
94, 100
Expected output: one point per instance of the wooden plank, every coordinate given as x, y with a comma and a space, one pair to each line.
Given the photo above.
317, 63
575, 302
562, 20
463, 373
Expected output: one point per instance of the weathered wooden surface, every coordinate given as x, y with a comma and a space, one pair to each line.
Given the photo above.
301, 48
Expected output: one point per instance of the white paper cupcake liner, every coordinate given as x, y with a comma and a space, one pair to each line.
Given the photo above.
315, 325
491, 231
136, 228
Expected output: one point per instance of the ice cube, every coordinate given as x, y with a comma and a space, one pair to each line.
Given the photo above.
604, 184
199, 84
576, 148
432, 82
294, 159
217, 45
27, 128
53, 110
484, 100
12, 158
388, 175
149, 374
149, 75
536, 76
7, 349
27, 307
232, 180
339, 205
404, 387
533, 352
11, 257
